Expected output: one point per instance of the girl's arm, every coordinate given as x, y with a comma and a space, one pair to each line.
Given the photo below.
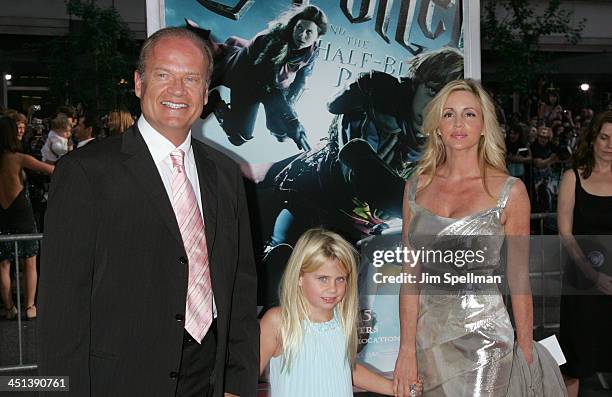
405, 372
31, 163
517, 228
269, 337
365, 379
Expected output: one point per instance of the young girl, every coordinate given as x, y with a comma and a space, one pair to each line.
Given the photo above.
310, 341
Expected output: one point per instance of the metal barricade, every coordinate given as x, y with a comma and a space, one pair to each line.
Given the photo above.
543, 327
16, 239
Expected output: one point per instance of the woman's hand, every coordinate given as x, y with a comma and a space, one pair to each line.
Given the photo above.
604, 283
405, 374
527, 353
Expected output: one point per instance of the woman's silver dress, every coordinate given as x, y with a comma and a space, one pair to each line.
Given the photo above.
464, 334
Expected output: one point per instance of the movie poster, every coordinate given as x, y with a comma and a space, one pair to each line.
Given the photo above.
321, 104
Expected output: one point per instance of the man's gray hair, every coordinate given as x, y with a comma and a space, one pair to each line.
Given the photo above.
179, 32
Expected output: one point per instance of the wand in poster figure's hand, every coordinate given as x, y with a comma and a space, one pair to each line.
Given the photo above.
291, 128
299, 137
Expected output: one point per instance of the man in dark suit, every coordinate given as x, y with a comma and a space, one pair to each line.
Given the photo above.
138, 296
87, 129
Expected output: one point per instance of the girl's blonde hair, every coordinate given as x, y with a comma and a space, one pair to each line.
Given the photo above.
491, 147
313, 249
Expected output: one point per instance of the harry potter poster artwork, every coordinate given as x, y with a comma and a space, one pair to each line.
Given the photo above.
321, 103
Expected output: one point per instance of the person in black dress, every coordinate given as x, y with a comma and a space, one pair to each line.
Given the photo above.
585, 208
16, 216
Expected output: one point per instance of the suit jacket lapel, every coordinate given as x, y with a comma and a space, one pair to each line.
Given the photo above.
207, 176
141, 167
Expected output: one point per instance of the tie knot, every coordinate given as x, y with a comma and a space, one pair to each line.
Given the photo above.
178, 158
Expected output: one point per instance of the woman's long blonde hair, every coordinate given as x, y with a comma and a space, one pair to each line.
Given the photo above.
313, 249
491, 147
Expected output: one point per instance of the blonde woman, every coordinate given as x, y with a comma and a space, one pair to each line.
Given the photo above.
310, 341
119, 121
461, 335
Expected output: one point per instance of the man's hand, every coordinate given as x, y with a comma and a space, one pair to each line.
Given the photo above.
230, 395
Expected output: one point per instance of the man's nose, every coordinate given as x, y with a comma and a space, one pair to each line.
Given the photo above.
177, 85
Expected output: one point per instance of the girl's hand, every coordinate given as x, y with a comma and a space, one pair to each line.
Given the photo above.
405, 374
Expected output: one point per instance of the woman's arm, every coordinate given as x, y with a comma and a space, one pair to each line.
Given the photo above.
565, 224
297, 87
33, 164
406, 372
517, 229
269, 337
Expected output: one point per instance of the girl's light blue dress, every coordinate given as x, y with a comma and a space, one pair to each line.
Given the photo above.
320, 367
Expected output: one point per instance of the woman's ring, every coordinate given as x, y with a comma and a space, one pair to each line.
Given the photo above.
413, 390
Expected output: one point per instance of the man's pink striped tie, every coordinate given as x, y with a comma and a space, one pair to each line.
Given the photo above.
198, 313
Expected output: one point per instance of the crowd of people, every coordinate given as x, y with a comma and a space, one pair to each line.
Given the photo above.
29, 149
540, 149
468, 182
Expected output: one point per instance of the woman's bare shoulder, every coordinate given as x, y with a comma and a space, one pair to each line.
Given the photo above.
495, 181
518, 198
423, 179
570, 175
12, 158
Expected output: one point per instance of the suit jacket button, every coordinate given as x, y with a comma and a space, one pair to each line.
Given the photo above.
173, 375
179, 317
183, 260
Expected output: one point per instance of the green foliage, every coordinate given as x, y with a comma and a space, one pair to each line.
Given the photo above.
94, 63
514, 33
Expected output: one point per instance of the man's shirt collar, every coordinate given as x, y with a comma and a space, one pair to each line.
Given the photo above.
159, 146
